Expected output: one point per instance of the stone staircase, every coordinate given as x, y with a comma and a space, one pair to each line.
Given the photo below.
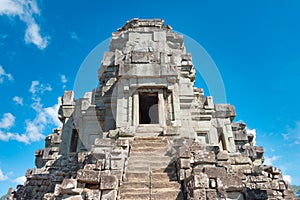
150, 173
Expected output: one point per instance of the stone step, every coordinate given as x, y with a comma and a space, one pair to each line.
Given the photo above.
167, 170
143, 144
136, 185
144, 168
149, 150
167, 195
134, 190
149, 162
149, 128
155, 177
148, 154
133, 196
146, 134
162, 185
142, 158
137, 177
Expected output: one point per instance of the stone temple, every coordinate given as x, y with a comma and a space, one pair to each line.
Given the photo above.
147, 133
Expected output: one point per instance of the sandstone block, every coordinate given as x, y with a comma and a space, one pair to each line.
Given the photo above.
211, 195
184, 152
109, 183
214, 172
91, 194
88, 176
73, 197
223, 156
199, 194
230, 182
184, 163
201, 180
109, 195
68, 185
104, 142
89, 166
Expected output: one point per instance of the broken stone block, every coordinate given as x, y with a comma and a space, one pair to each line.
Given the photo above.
230, 182
104, 142
122, 143
109, 194
116, 164
89, 166
199, 194
48, 196
71, 197
109, 182
223, 156
57, 189
211, 195
207, 158
282, 185
184, 163
117, 173
67, 186
214, 172
91, 194
184, 152
201, 180
88, 176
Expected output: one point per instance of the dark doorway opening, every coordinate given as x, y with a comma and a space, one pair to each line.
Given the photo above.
74, 141
148, 104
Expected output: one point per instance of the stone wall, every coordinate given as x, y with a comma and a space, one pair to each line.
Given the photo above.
194, 150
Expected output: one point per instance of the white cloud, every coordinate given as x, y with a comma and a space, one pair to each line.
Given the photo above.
270, 160
20, 180
7, 121
32, 35
287, 178
18, 100
2, 38
253, 132
3, 177
26, 11
44, 118
294, 132
285, 136
3, 75
74, 36
10, 8
36, 87
63, 80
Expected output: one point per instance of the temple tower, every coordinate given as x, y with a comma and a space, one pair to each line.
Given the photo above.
147, 133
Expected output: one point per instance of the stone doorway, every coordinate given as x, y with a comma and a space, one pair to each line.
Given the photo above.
148, 108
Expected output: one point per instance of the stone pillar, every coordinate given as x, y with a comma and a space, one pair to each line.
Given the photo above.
161, 109
120, 114
176, 105
135, 109
129, 111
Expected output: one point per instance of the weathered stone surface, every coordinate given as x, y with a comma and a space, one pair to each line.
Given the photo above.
147, 133
214, 172
109, 195
88, 176
211, 194
67, 186
109, 183
184, 163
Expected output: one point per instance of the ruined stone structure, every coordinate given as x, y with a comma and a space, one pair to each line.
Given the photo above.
147, 133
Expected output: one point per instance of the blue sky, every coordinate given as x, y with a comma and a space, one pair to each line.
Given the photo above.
254, 44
